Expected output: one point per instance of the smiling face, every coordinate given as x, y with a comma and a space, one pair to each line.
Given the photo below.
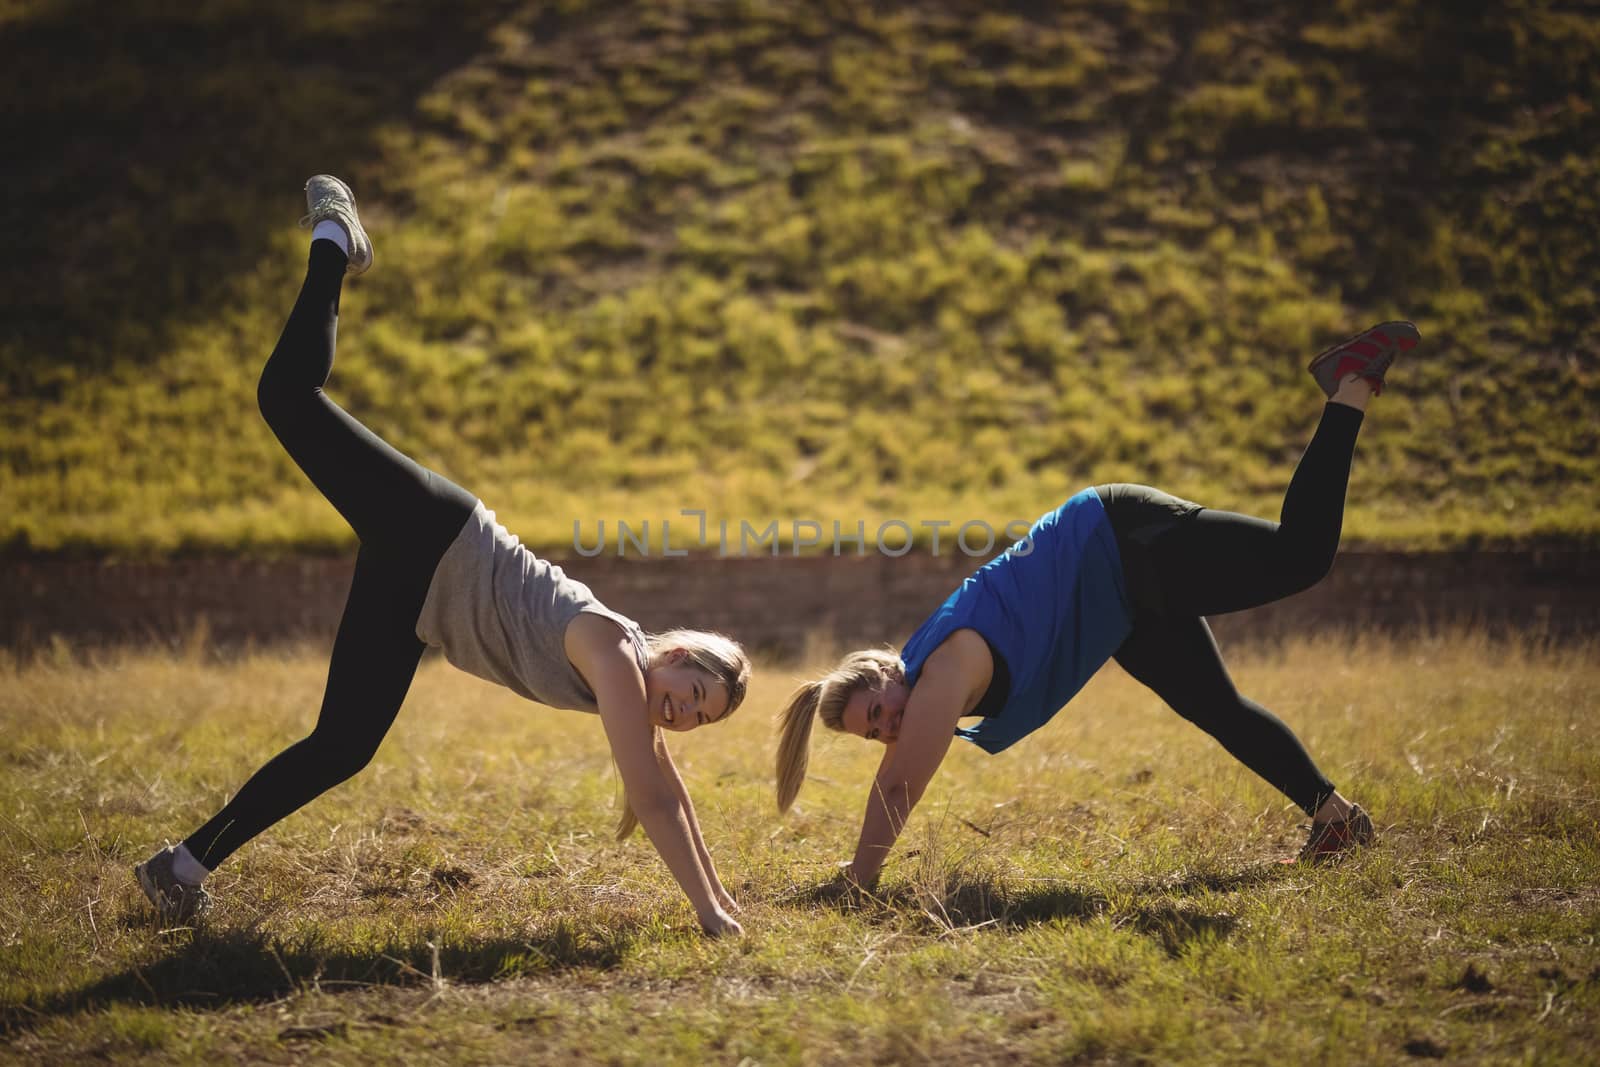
681, 696
876, 714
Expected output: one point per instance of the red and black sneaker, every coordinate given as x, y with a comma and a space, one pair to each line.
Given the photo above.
1333, 840
1368, 354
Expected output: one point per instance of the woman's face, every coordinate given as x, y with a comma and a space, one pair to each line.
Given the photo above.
875, 714
681, 696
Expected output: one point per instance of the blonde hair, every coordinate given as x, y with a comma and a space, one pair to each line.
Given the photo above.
825, 698
719, 656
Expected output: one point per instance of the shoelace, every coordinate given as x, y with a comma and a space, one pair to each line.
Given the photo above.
324, 208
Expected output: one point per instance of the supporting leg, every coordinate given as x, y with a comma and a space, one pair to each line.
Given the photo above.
375, 656
1178, 659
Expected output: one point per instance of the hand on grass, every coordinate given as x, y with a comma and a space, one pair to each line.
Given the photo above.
721, 924
842, 888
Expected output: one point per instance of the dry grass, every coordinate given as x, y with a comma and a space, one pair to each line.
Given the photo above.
1103, 893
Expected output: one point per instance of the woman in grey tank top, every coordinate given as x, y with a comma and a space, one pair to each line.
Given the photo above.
434, 568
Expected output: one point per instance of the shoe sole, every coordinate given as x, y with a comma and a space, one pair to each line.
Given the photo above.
1398, 331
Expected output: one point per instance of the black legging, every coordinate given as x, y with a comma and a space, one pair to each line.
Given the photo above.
1183, 562
405, 517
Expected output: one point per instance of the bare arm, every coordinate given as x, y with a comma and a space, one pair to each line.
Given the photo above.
605, 658
671, 771
941, 695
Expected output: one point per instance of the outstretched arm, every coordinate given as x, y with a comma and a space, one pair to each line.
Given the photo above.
671, 771
606, 662
936, 704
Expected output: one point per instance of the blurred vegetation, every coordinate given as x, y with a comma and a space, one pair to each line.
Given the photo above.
834, 261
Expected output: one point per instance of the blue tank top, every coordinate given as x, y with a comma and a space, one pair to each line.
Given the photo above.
1053, 605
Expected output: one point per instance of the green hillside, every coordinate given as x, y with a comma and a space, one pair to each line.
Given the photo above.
838, 261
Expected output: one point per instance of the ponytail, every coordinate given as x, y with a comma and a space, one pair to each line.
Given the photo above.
825, 698
628, 822
794, 741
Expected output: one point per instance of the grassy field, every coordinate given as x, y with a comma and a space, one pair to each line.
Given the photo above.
778, 260
1104, 894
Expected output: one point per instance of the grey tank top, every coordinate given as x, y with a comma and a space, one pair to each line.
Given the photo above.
501, 613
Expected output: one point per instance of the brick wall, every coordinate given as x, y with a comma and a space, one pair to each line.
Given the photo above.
774, 605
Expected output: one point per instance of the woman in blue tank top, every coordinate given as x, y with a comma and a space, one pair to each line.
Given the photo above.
1120, 572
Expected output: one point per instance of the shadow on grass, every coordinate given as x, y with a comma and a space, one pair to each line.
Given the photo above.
1195, 882
1177, 930
966, 903
216, 970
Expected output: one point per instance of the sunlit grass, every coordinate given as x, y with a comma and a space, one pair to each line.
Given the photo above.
1106, 891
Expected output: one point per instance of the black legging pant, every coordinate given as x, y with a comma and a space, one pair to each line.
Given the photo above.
1183, 562
405, 517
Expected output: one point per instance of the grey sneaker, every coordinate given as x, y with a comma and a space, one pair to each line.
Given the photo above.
1368, 354
329, 198
177, 901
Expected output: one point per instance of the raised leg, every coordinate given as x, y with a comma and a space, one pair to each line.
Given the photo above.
390, 501
1211, 562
